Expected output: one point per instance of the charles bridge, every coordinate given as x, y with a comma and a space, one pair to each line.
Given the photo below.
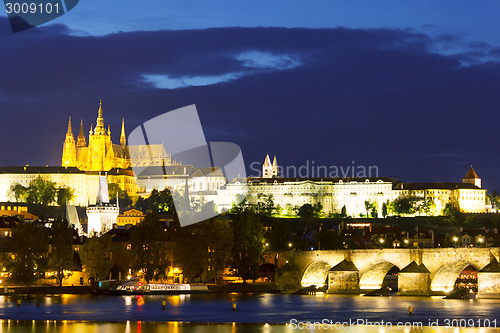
421, 271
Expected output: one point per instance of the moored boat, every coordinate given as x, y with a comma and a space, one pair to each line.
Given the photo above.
140, 288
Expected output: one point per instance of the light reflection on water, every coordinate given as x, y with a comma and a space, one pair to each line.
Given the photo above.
217, 308
12, 326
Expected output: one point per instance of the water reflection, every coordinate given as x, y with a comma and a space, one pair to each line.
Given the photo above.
263, 308
176, 300
177, 327
128, 301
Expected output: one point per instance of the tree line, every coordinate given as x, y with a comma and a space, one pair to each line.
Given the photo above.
41, 192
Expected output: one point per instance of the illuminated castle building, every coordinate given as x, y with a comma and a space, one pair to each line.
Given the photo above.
352, 193
102, 154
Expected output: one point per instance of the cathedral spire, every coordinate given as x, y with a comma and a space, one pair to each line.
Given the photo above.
69, 148
123, 138
80, 143
69, 132
99, 128
275, 167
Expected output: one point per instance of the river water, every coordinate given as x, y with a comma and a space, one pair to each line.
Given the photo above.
254, 312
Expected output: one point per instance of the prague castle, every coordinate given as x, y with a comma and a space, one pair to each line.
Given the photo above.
102, 154
82, 165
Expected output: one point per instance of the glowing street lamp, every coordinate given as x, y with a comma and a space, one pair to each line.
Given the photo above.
381, 240
290, 244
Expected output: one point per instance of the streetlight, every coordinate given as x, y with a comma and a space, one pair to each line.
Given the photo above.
381, 240
290, 244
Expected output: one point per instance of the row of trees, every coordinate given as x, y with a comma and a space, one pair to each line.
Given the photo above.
44, 192
41, 192
266, 207
400, 206
407, 206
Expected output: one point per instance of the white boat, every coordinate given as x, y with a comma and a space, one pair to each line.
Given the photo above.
138, 287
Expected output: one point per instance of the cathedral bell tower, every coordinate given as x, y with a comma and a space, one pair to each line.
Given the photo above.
100, 155
69, 148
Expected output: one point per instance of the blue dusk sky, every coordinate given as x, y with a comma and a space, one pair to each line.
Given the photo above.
412, 87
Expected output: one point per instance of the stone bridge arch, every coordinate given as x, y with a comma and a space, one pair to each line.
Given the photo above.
445, 277
373, 277
446, 264
315, 274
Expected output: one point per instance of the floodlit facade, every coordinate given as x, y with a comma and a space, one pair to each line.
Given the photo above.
84, 184
130, 217
331, 193
467, 196
352, 193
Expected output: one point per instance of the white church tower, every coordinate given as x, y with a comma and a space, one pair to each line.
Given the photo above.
103, 215
270, 170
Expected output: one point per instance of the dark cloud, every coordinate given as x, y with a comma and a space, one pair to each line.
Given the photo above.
378, 97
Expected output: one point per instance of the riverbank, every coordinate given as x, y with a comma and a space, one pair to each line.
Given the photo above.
265, 287
47, 290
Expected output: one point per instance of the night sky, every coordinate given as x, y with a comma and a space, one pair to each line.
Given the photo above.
412, 87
